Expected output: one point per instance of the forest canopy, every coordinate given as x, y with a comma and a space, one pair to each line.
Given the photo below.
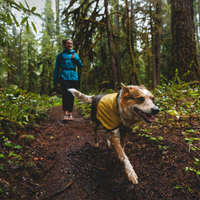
129, 41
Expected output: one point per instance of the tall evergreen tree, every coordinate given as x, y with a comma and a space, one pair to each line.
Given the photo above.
110, 44
117, 51
184, 51
48, 38
157, 41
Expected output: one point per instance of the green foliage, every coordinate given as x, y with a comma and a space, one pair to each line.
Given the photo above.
22, 108
84, 108
178, 100
8, 18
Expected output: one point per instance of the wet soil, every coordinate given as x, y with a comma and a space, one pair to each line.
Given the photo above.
67, 166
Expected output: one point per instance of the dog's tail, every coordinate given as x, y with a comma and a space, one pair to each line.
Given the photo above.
80, 96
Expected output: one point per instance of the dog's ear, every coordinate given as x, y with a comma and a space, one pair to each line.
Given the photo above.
125, 88
123, 85
125, 91
143, 87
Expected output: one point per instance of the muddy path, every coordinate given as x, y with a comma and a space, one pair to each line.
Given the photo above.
69, 167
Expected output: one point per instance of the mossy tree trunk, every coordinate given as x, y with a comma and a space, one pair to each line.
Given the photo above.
157, 40
117, 52
152, 46
184, 51
57, 21
20, 57
134, 73
110, 44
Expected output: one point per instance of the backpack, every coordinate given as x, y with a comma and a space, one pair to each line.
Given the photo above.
59, 66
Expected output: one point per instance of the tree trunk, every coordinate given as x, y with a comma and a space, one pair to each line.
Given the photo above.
29, 68
57, 21
132, 26
184, 51
9, 70
117, 53
110, 44
43, 78
157, 41
152, 49
199, 16
134, 72
20, 56
198, 28
148, 65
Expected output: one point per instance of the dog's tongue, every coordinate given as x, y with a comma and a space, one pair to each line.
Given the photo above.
150, 118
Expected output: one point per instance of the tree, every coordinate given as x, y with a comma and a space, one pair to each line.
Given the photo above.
152, 44
134, 73
157, 41
57, 17
184, 51
117, 51
48, 61
110, 44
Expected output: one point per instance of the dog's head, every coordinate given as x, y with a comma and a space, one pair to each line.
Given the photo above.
137, 102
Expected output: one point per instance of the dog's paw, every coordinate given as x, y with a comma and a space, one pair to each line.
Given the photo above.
95, 144
132, 176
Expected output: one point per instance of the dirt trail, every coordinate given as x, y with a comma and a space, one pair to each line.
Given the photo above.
71, 168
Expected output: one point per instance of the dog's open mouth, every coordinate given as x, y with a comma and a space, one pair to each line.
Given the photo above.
146, 117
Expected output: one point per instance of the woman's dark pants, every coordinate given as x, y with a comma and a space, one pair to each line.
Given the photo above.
67, 97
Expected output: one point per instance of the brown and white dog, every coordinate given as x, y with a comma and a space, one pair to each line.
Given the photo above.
132, 104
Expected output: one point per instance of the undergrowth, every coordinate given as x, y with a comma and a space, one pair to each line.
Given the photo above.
20, 112
179, 103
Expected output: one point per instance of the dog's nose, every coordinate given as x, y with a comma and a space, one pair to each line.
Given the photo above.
155, 110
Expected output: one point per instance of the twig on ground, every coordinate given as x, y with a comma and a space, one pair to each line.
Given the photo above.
56, 193
47, 170
97, 167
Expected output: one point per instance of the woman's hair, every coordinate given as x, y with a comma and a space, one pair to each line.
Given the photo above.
65, 41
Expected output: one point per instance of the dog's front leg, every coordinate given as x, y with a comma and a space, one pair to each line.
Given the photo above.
123, 157
123, 134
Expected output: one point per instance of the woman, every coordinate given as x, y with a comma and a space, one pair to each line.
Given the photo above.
65, 71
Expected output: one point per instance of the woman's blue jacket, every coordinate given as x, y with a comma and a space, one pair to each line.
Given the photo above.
68, 66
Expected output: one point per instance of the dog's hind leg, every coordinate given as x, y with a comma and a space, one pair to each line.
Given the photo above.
95, 126
123, 157
108, 139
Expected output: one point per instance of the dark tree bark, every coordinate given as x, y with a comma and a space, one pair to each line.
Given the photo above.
117, 52
199, 14
110, 44
198, 30
133, 32
157, 41
153, 47
184, 51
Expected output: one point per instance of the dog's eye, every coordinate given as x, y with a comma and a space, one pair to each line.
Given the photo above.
140, 99
153, 99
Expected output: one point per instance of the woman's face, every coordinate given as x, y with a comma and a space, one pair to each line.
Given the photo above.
68, 45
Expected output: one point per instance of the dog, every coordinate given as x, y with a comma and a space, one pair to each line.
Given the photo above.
118, 112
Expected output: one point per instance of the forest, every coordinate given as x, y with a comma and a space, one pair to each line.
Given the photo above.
155, 43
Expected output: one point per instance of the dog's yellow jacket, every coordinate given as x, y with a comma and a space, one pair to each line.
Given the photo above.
107, 112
